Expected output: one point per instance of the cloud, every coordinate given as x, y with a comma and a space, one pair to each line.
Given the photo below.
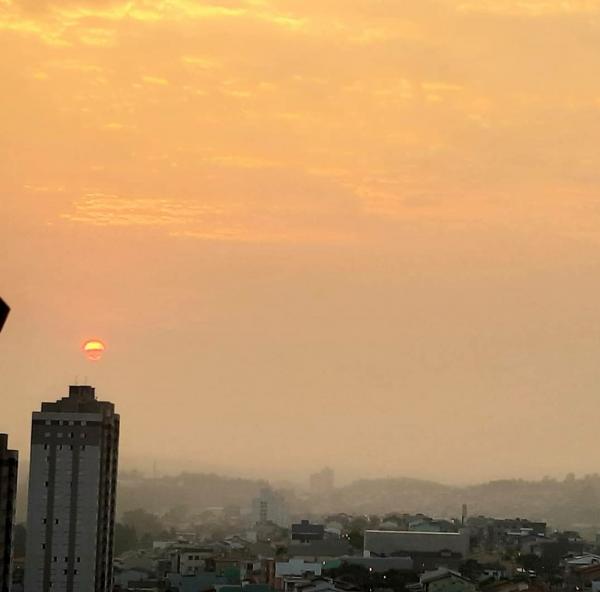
422, 108
113, 210
156, 80
254, 206
533, 8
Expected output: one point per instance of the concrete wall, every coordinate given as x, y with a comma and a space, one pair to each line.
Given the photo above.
390, 542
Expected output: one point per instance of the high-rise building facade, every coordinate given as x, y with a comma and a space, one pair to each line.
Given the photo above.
9, 461
270, 506
72, 494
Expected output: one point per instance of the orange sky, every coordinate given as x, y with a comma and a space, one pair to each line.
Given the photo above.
356, 232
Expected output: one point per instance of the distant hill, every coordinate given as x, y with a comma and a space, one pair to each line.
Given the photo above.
566, 504
194, 490
571, 503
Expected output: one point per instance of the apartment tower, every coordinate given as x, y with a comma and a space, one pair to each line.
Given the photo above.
72, 494
9, 461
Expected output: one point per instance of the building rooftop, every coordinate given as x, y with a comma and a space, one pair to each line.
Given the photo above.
81, 399
415, 532
325, 548
5, 452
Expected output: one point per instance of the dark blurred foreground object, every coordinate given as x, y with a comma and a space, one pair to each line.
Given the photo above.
4, 310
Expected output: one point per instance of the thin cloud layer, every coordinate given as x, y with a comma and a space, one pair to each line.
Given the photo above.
384, 207
432, 109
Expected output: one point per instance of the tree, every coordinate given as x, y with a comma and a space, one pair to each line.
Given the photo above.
356, 539
531, 562
176, 515
144, 523
125, 538
366, 579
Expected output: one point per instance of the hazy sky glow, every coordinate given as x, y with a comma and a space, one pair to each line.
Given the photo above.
363, 233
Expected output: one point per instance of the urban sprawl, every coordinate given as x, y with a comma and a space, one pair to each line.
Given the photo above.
72, 542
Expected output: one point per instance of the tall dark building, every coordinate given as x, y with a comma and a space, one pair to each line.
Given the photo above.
9, 462
72, 494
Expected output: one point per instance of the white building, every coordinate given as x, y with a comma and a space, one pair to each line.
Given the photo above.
72, 491
270, 506
297, 567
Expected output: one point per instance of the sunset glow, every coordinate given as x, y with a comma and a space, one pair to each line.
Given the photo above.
389, 209
93, 349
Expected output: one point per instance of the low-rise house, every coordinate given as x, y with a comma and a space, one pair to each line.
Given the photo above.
533, 544
582, 560
381, 564
202, 582
323, 550
584, 576
444, 580
122, 577
289, 573
321, 584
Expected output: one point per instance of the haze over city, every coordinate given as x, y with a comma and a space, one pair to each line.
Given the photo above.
361, 234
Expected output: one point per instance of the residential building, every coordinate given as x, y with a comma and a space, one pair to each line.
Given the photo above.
384, 543
72, 494
380, 564
444, 580
9, 462
322, 584
305, 532
289, 573
270, 506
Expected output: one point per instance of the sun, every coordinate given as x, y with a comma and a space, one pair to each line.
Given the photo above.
93, 349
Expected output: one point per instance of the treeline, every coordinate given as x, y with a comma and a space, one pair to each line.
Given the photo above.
564, 504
